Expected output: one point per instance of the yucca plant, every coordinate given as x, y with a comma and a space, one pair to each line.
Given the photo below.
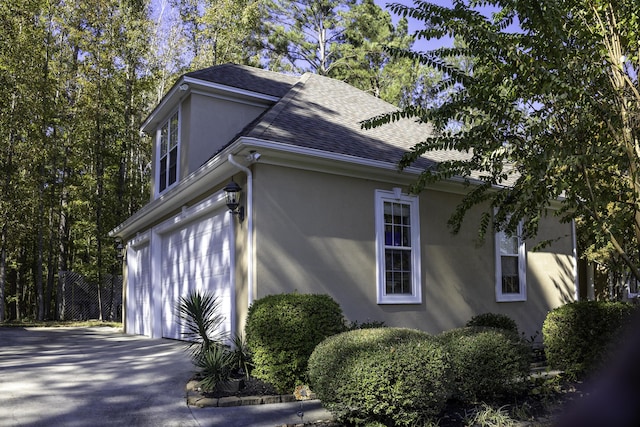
241, 356
216, 364
201, 321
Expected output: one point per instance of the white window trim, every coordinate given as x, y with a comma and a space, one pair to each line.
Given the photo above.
396, 196
522, 268
158, 141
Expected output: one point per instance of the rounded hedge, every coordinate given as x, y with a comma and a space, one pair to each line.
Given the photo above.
383, 376
580, 336
494, 320
487, 362
282, 331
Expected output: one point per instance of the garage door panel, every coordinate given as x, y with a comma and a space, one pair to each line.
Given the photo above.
138, 309
207, 261
201, 267
196, 257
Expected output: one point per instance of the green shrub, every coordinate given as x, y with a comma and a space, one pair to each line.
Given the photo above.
494, 320
487, 362
384, 376
369, 324
282, 331
578, 337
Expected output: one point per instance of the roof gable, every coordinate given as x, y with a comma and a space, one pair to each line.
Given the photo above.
323, 114
247, 78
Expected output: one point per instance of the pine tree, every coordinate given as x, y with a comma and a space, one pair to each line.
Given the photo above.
303, 35
365, 56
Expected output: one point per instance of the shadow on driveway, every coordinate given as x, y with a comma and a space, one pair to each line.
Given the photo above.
91, 376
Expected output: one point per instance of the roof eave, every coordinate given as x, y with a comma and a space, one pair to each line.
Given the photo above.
194, 185
217, 169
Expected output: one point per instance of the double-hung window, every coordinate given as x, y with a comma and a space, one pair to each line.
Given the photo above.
168, 141
397, 248
511, 267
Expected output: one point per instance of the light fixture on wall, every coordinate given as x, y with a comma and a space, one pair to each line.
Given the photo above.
119, 250
232, 191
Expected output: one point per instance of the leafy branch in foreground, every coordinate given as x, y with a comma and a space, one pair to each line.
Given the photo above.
548, 110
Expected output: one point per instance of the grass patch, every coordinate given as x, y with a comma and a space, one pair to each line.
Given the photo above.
60, 324
488, 416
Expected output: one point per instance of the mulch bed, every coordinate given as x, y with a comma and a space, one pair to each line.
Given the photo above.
252, 387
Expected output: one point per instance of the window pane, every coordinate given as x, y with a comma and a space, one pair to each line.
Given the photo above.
163, 174
173, 140
168, 153
398, 271
173, 163
397, 224
508, 245
398, 284
164, 135
510, 276
406, 236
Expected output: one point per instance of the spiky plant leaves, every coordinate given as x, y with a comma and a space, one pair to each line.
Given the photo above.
241, 355
201, 322
216, 364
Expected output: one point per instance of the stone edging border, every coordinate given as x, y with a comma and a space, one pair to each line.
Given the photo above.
196, 398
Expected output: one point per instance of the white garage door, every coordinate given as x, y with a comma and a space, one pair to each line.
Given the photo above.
196, 256
138, 308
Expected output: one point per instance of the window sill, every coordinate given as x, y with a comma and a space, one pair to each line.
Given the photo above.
511, 298
404, 300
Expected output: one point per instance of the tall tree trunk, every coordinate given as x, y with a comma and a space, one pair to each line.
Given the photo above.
39, 258
45, 129
63, 245
21, 285
98, 207
3, 270
50, 255
8, 171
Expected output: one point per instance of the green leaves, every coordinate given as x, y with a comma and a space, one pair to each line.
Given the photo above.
544, 109
201, 322
73, 83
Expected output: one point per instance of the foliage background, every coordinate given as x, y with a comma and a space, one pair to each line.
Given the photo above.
544, 97
77, 78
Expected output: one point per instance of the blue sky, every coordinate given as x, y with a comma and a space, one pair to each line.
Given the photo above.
415, 25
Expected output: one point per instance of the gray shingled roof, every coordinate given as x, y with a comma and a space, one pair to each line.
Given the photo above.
324, 114
247, 78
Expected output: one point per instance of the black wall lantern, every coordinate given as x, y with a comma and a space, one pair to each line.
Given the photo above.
232, 190
119, 250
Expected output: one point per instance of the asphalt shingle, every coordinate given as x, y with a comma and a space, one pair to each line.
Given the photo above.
325, 114
247, 78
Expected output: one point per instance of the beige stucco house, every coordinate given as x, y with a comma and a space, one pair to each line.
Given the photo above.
325, 211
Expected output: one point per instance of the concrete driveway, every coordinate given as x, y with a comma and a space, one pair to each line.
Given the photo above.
100, 377
91, 376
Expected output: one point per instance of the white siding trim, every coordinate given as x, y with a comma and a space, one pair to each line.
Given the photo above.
156, 289
192, 213
230, 89
140, 239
